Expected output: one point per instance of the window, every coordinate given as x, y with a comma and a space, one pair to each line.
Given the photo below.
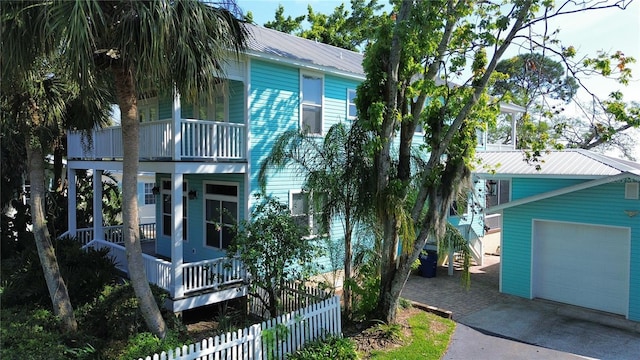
498, 192
481, 137
303, 213
311, 104
631, 190
212, 109
148, 109
221, 213
167, 209
351, 104
149, 196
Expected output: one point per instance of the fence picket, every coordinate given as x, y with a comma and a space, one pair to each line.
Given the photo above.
313, 322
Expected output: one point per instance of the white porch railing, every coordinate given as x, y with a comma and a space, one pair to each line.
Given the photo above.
200, 140
114, 233
314, 322
158, 270
212, 274
203, 275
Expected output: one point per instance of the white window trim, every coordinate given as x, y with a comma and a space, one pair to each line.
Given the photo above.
206, 196
322, 105
155, 200
310, 213
145, 105
348, 116
631, 190
185, 203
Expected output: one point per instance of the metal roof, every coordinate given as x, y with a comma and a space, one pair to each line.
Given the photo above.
303, 51
569, 163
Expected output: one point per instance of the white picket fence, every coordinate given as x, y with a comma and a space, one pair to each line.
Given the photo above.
272, 339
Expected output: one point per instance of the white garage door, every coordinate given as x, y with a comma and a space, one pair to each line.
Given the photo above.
584, 265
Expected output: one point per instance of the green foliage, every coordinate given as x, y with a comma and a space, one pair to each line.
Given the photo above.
425, 342
86, 272
346, 28
145, 344
116, 314
336, 348
271, 337
275, 249
391, 331
33, 334
455, 242
366, 282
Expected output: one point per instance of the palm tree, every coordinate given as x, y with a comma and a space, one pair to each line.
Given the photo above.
337, 169
146, 46
39, 100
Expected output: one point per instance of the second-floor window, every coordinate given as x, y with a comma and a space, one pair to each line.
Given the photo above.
351, 104
212, 108
148, 109
311, 96
498, 192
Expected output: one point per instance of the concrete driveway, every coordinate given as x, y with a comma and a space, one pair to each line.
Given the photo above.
492, 325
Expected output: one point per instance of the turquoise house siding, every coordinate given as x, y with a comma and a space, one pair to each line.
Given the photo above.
194, 247
600, 205
525, 187
274, 108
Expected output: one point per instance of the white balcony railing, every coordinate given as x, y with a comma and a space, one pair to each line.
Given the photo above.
199, 140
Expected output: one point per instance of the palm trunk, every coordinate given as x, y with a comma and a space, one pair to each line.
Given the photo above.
128, 102
58, 293
348, 275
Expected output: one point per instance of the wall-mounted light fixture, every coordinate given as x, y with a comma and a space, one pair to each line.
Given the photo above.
155, 190
193, 194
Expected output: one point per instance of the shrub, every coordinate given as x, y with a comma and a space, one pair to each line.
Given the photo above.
115, 314
85, 273
34, 334
335, 348
146, 344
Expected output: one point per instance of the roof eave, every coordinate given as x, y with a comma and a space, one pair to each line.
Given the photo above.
566, 190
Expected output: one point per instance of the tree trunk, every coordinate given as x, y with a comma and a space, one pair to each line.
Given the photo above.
128, 102
348, 255
58, 293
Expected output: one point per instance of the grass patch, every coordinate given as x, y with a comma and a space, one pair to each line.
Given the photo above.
429, 339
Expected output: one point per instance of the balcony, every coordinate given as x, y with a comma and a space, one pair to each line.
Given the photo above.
198, 140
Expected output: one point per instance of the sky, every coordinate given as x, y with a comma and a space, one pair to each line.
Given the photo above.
607, 30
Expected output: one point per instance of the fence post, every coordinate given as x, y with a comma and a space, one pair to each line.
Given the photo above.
256, 331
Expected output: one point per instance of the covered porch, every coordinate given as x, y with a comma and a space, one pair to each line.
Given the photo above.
190, 284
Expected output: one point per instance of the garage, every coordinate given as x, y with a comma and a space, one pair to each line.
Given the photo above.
581, 264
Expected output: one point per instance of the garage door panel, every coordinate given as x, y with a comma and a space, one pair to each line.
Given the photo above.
584, 265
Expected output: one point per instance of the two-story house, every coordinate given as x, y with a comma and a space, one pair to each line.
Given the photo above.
206, 156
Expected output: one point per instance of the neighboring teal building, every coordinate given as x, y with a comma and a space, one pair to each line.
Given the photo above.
570, 228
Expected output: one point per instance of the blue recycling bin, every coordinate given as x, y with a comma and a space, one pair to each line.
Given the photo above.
428, 264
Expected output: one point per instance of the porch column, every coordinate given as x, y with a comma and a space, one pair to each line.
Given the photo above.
176, 234
72, 202
176, 122
98, 226
513, 129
